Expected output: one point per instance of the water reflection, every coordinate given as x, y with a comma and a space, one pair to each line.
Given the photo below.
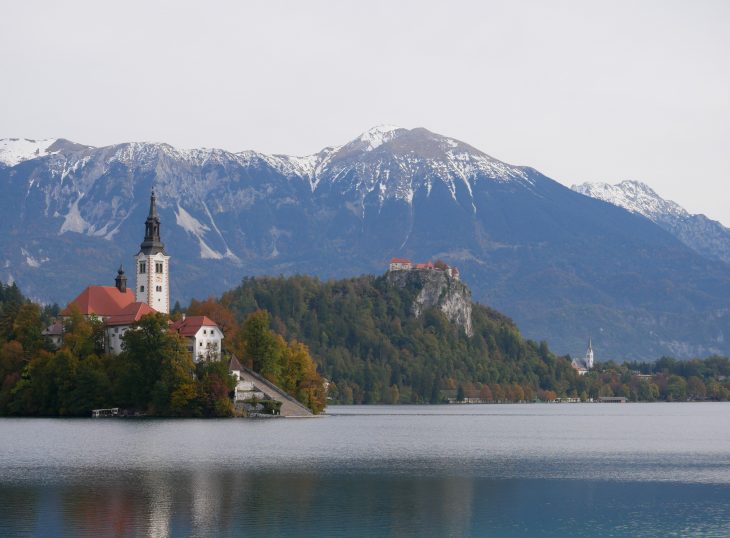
230, 503
649, 470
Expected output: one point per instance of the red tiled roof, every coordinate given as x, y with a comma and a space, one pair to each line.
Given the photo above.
400, 260
101, 300
428, 265
191, 324
130, 314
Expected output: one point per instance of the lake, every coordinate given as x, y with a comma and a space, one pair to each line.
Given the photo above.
498, 470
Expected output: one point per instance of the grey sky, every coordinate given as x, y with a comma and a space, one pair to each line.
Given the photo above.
583, 91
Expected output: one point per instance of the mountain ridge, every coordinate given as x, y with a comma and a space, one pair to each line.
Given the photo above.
705, 236
563, 265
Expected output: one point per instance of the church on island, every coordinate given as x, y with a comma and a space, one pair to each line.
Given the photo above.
120, 307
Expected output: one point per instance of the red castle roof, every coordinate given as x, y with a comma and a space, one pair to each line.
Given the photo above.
130, 314
102, 301
192, 324
400, 260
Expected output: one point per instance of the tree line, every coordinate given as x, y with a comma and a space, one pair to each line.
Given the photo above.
359, 333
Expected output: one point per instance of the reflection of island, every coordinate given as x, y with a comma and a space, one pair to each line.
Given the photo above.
235, 502
206, 503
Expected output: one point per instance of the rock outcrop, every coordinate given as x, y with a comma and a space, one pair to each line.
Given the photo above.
435, 288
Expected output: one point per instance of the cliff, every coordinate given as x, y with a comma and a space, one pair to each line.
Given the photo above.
435, 288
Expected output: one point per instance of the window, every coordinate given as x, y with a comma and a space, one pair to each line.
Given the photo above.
205, 332
158, 288
142, 267
158, 267
201, 344
141, 288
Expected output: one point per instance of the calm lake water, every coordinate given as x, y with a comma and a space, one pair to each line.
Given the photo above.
481, 470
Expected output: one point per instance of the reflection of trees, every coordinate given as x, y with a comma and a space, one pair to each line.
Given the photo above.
212, 502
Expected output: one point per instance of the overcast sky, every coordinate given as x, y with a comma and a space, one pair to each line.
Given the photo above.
582, 91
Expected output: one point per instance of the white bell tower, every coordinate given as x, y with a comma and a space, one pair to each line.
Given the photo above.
153, 265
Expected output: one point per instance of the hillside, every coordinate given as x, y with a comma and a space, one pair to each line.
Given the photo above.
564, 266
381, 339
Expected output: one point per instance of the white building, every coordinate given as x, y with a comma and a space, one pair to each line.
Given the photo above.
116, 325
203, 336
400, 264
153, 265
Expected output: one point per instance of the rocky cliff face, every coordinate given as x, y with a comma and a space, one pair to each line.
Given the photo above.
436, 289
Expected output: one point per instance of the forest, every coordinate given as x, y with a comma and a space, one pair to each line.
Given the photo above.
372, 349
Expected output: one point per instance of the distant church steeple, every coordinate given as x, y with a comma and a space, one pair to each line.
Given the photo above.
589, 353
152, 265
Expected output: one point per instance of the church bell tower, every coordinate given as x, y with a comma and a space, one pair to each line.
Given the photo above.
589, 354
152, 265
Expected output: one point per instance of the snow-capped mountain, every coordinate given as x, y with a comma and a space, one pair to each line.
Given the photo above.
563, 265
17, 150
706, 236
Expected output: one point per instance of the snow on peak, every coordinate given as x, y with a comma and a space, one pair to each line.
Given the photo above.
377, 136
16, 150
633, 196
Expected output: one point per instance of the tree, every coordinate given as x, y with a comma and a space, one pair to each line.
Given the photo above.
156, 369
262, 348
83, 337
28, 328
214, 388
676, 390
696, 389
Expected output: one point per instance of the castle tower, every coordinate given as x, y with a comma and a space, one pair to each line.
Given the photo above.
589, 354
152, 265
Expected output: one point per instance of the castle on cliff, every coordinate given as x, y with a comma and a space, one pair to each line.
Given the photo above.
404, 264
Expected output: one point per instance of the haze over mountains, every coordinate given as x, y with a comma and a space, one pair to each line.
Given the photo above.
564, 265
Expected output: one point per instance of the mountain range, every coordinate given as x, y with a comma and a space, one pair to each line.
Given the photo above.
706, 236
565, 266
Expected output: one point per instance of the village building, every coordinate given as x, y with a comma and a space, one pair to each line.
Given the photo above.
583, 366
203, 336
116, 325
54, 333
